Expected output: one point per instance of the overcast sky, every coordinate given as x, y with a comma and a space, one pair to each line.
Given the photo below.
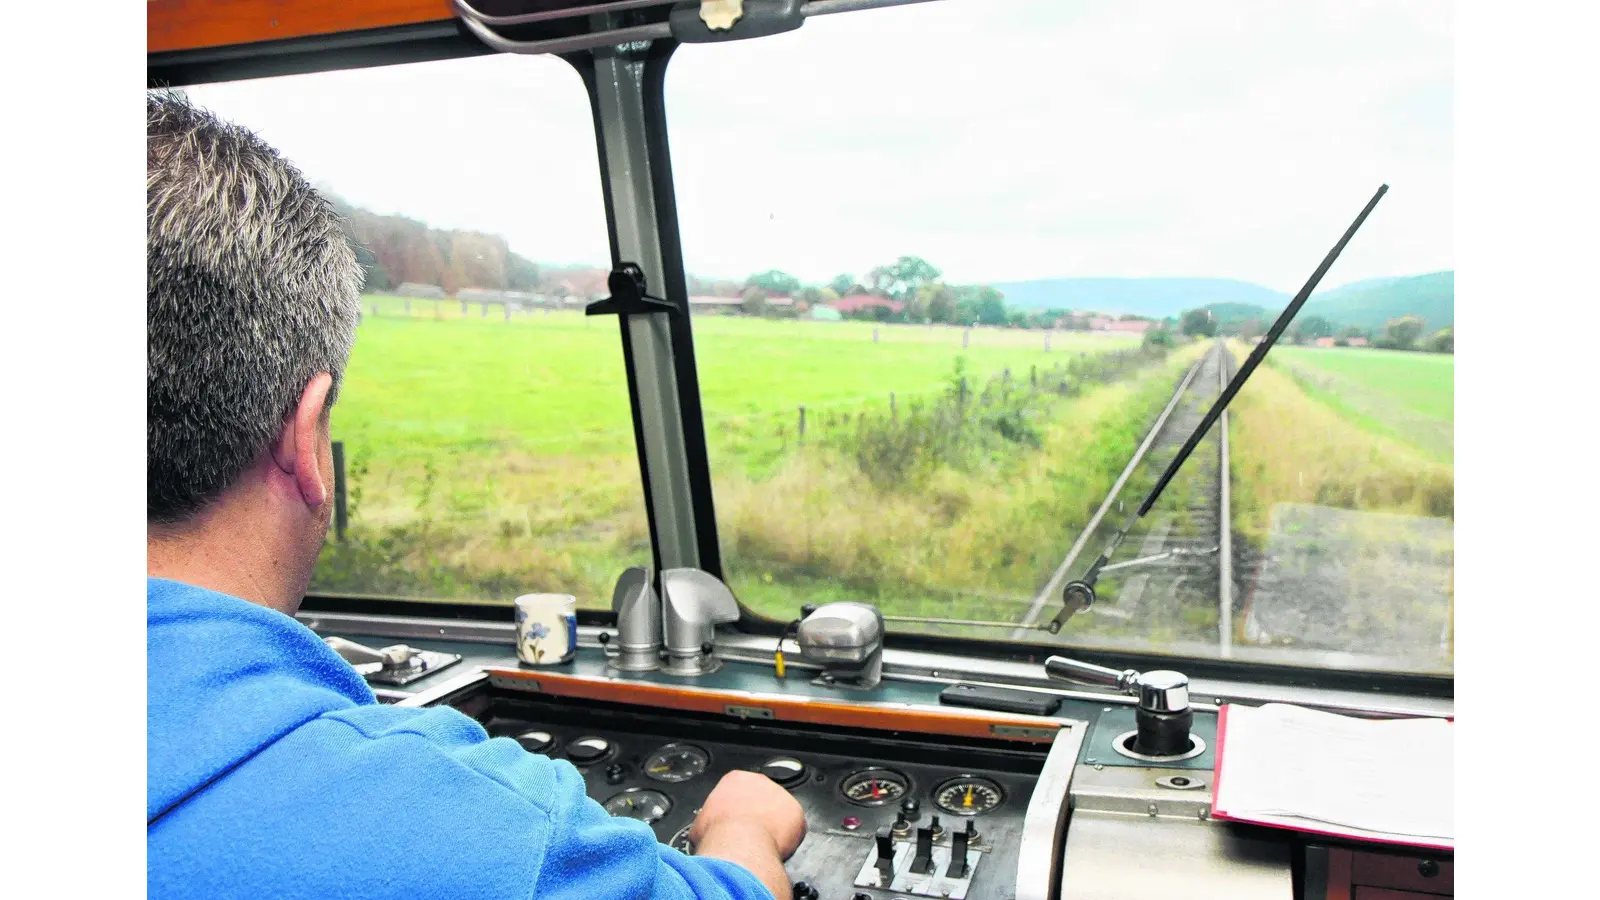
999, 140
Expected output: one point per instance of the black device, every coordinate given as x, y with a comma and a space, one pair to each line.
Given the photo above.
997, 699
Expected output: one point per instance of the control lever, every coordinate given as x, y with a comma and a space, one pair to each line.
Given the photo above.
885, 861
922, 863
366, 661
958, 855
1163, 715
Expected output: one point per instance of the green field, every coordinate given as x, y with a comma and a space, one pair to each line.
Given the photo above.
1409, 396
491, 457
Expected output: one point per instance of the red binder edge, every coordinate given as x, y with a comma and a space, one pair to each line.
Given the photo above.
1353, 835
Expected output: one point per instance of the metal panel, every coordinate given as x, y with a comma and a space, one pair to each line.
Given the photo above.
619, 108
1112, 856
1039, 857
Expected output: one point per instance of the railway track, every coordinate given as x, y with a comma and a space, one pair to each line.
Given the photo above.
1174, 572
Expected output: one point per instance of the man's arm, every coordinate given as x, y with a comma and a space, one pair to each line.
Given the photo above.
751, 821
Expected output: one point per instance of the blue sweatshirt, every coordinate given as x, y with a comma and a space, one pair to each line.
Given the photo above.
275, 773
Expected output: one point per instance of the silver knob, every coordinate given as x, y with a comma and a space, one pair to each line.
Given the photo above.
1163, 691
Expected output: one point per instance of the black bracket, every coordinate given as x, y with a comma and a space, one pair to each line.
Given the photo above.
628, 297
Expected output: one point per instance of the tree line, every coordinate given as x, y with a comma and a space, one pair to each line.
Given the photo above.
1403, 333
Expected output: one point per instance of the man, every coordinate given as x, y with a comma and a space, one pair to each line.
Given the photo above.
273, 772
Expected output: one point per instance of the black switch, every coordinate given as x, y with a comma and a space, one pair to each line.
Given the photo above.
958, 855
938, 830
972, 831
922, 863
615, 773
803, 891
885, 862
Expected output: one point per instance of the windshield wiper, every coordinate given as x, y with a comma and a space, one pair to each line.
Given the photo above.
1079, 595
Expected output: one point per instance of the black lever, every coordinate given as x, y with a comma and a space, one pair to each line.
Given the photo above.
885, 862
958, 855
922, 863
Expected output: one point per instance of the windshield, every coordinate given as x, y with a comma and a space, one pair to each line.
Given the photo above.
965, 275
484, 425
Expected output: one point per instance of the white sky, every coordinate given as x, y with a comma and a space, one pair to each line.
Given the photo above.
1000, 140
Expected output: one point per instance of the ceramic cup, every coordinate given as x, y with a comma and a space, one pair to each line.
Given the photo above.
547, 628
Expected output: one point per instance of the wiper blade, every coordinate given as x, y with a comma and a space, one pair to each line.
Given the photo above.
1079, 595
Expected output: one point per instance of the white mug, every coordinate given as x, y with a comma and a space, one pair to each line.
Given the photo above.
547, 628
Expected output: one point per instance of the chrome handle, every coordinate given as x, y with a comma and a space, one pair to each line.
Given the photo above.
1160, 690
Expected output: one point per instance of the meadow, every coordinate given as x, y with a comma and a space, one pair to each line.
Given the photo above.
1406, 396
489, 457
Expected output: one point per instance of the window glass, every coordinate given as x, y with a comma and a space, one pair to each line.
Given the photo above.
952, 261
484, 420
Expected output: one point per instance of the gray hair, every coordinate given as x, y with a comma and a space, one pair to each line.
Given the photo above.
252, 290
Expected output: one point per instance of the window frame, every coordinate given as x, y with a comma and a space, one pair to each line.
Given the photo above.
435, 41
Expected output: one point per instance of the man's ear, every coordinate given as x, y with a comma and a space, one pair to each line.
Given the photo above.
295, 453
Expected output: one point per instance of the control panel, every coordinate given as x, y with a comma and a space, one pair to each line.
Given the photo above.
887, 815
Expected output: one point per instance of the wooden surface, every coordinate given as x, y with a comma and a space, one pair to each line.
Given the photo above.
786, 708
191, 24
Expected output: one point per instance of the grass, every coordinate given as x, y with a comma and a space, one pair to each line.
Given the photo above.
1406, 396
492, 457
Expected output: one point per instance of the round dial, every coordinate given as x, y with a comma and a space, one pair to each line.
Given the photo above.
968, 795
536, 741
639, 803
785, 770
586, 750
676, 762
681, 843
874, 787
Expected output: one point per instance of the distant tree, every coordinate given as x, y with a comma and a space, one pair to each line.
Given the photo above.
1311, 328
1352, 332
755, 301
991, 308
1401, 333
829, 295
1019, 318
1198, 322
773, 282
1250, 329
522, 274
900, 279
810, 295
935, 302
1442, 341
1159, 337
843, 284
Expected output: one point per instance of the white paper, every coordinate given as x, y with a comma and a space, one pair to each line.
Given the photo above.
1390, 776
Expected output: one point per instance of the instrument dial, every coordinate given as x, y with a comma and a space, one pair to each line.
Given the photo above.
681, 843
536, 741
587, 750
785, 770
639, 803
968, 795
874, 787
676, 762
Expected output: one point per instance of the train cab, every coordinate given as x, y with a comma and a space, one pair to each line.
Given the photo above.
951, 411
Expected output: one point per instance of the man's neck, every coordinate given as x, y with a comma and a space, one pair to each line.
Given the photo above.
220, 552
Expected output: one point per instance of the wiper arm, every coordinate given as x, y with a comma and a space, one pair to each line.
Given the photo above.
1079, 595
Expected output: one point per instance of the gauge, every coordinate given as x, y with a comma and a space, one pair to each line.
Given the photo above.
676, 762
785, 770
536, 741
874, 787
968, 795
586, 750
681, 843
639, 803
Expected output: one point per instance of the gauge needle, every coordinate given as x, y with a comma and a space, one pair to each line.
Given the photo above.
874, 783
661, 768
967, 800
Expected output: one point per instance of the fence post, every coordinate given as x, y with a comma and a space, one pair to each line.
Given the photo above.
408, 306
1033, 376
1047, 341
340, 511
802, 428
463, 306
965, 336
507, 309
874, 334
894, 413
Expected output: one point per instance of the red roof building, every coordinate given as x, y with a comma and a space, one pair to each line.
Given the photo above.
858, 302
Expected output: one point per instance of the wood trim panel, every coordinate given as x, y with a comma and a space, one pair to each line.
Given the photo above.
815, 711
1402, 873
1375, 893
192, 24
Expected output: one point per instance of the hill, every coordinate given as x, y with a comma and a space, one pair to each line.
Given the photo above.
1369, 304
1156, 298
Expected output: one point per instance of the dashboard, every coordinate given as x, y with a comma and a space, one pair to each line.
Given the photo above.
886, 814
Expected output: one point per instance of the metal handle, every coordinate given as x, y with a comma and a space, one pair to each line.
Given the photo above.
1088, 673
1160, 690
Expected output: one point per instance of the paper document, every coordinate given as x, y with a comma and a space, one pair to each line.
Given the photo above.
1380, 779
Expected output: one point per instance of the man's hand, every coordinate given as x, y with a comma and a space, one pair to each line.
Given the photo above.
750, 820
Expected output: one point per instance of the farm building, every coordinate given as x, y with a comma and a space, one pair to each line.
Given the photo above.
860, 302
716, 305
1135, 326
413, 289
